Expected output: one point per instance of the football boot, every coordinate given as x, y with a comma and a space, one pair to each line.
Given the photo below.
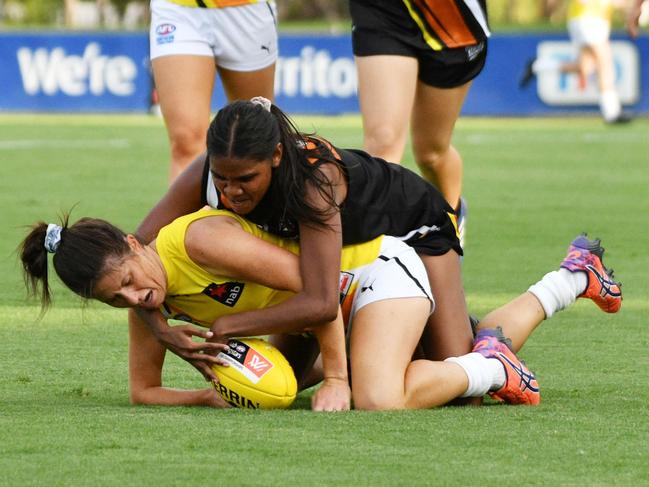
585, 255
521, 386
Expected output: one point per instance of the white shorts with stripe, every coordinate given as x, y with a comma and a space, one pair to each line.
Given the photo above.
242, 38
398, 272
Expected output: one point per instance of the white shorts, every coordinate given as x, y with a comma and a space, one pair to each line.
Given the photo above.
397, 273
242, 38
588, 31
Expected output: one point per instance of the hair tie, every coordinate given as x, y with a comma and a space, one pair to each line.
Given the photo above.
264, 102
53, 237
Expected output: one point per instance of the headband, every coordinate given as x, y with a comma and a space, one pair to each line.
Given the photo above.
264, 102
53, 237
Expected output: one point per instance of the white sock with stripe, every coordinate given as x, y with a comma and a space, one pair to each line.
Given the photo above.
559, 289
484, 374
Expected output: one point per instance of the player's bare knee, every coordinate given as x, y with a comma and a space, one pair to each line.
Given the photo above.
186, 143
383, 141
432, 158
376, 400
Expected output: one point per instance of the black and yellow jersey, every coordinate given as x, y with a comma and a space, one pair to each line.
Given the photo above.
382, 199
450, 23
433, 24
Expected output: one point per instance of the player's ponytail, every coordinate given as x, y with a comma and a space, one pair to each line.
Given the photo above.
81, 254
34, 259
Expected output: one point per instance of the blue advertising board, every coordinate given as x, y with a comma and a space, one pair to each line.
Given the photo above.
74, 72
496, 90
316, 75
109, 72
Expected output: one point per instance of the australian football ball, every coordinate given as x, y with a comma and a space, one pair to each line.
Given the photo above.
258, 376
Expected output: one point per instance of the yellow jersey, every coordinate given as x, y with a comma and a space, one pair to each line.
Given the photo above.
200, 297
602, 9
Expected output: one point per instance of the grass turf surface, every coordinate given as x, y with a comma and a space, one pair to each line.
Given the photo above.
532, 185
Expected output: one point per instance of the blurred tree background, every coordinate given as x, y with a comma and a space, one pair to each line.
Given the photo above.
319, 15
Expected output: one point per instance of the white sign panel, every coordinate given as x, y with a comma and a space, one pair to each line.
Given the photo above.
562, 89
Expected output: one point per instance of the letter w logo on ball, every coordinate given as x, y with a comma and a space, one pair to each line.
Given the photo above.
257, 363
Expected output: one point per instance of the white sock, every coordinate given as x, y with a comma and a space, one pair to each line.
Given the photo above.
559, 289
484, 374
545, 64
609, 105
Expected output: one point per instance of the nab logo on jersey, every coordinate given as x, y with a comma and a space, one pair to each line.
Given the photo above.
227, 293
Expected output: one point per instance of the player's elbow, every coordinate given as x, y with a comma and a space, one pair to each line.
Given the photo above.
137, 398
315, 308
323, 311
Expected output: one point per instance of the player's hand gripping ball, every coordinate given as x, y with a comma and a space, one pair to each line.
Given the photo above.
259, 377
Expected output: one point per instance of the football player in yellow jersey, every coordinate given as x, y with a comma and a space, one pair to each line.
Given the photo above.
589, 26
205, 265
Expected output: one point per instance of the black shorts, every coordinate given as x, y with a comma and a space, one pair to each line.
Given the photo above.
438, 241
386, 28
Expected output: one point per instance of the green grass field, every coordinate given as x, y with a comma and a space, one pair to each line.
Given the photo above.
532, 185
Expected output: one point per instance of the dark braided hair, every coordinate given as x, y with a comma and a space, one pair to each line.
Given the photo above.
246, 130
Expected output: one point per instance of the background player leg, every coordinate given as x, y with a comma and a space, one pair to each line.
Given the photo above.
434, 115
386, 90
610, 105
243, 85
184, 85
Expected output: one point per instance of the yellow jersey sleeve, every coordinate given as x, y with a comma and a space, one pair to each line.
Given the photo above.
602, 9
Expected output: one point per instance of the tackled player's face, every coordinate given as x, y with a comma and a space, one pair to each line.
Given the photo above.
243, 182
138, 279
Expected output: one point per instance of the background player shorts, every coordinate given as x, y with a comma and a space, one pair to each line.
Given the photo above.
384, 27
588, 31
242, 38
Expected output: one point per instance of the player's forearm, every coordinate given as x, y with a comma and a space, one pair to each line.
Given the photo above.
331, 338
154, 320
164, 396
297, 314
